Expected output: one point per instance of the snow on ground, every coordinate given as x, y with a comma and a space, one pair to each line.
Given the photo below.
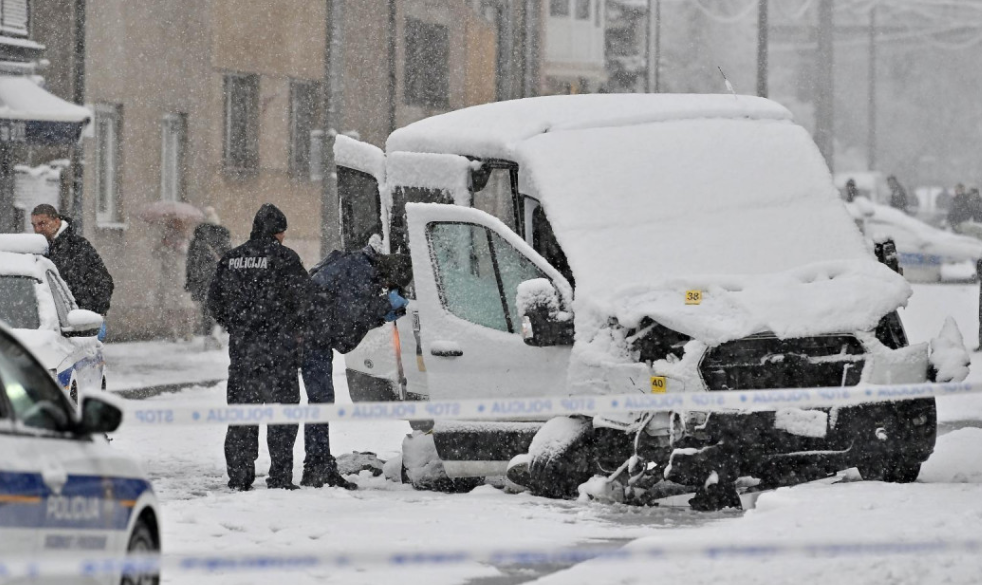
132, 366
201, 516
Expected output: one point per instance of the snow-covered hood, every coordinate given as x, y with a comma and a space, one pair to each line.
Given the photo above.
824, 297
44, 345
682, 200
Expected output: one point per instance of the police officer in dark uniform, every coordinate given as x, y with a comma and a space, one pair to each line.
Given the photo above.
259, 295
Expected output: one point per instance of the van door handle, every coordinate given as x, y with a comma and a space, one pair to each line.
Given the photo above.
446, 349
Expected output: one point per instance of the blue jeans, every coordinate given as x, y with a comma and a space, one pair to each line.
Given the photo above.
317, 371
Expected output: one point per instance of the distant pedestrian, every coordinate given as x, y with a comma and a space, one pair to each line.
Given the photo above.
965, 215
77, 261
899, 198
851, 191
353, 293
259, 294
210, 242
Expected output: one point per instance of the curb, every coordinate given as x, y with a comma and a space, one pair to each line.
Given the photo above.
150, 391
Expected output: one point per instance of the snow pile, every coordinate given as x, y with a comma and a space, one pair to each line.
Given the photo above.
23, 243
948, 354
360, 156
447, 172
420, 459
495, 130
804, 423
539, 293
557, 434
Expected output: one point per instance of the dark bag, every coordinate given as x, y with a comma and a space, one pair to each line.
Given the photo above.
348, 300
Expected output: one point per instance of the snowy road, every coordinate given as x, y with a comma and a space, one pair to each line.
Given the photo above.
201, 516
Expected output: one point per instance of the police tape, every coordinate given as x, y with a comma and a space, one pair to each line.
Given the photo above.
638, 551
539, 407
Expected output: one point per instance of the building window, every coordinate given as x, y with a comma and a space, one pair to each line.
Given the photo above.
583, 9
304, 99
108, 122
14, 17
558, 7
173, 132
241, 122
427, 65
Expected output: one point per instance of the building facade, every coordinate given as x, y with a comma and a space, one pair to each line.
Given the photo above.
219, 103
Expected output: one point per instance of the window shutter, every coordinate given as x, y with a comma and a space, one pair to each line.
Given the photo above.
14, 17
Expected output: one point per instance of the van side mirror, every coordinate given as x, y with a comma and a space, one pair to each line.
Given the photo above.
544, 323
82, 321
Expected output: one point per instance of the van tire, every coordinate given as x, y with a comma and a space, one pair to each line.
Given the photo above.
142, 541
558, 472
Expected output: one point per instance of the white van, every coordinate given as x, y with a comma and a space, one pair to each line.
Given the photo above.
596, 244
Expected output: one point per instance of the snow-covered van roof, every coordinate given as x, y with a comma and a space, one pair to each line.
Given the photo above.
494, 130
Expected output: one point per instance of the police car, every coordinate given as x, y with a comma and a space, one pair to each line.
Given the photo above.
63, 490
37, 304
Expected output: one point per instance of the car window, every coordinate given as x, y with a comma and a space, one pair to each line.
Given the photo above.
62, 304
514, 269
36, 400
18, 302
465, 274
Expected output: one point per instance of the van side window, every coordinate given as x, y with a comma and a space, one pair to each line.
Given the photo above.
360, 208
398, 236
495, 197
466, 275
544, 242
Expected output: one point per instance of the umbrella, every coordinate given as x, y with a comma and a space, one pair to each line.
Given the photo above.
171, 213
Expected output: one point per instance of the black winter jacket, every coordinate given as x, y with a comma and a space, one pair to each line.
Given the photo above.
209, 243
260, 290
82, 269
348, 300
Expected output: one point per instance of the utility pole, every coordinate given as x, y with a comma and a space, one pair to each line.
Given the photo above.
77, 155
331, 99
652, 54
762, 48
871, 111
824, 112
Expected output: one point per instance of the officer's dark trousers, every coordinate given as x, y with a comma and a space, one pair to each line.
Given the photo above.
261, 373
317, 372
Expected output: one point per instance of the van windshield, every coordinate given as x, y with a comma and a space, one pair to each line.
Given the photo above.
18, 302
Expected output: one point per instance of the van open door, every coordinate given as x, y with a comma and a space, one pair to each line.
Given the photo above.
468, 266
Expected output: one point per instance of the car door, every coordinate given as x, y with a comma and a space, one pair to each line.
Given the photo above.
468, 266
84, 353
56, 478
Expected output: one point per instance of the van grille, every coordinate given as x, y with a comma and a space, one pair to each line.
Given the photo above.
761, 362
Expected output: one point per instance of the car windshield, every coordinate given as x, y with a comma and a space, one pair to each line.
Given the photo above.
18, 302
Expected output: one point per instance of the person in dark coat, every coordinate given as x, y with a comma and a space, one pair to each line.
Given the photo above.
899, 198
851, 191
260, 294
77, 261
353, 293
209, 243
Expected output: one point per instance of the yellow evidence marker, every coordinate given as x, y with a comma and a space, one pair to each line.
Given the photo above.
658, 385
